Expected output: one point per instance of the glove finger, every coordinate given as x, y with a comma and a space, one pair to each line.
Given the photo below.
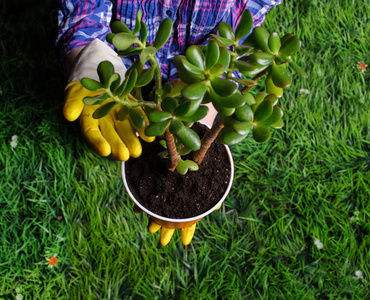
153, 226
91, 131
166, 235
141, 132
119, 149
74, 94
187, 234
128, 136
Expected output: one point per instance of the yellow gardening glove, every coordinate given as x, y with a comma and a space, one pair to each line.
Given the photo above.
187, 233
105, 135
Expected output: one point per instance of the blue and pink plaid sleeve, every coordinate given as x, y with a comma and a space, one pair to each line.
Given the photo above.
82, 21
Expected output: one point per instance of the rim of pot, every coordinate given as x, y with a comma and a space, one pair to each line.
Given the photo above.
150, 213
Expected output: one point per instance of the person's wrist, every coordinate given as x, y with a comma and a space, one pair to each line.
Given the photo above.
71, 59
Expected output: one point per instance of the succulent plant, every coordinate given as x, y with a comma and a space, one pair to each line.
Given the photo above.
221, 72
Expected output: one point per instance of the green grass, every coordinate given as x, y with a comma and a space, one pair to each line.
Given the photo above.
308, 182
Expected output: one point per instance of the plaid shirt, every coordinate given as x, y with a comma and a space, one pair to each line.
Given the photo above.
82, 21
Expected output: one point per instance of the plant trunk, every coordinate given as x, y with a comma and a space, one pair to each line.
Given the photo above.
207, 141
172, 152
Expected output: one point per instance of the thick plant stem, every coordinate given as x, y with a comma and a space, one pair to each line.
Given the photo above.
207, 141
172, 152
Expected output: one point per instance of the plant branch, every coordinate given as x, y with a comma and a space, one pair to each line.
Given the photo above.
255, 78
172, 152
207, 141
157, 78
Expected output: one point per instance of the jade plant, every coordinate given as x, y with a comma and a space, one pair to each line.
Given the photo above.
222, 72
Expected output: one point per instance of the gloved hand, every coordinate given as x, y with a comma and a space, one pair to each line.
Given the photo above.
106, 135
187, 233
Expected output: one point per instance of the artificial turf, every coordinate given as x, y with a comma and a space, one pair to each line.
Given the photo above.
296, 224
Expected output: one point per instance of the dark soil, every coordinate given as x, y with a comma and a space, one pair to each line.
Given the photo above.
176, 196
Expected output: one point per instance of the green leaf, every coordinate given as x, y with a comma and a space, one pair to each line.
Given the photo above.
183, 108
194, 91
114, 81
229, 137
102, 111
137, 28
271, 88
193, 166
191, 69
121, 88
163, 143
184, 151
224, 58
223, 41
260, 97
157, 129
226, 31
249, 68
159, 116
298, 69
229, 121
289, 45
143, 32
193, 107
145, 77
263, 111
163, 33
199, 114
216, 70
122, 114
131, 80
91, 84
243, 128
182, 167
195, 56
223, 111
280, 75
175, 126
224, 87
278, 124
272, 98
233, 101
169, 104
163, 154
123, 41
119, 26
249, 99
243, 49
105, 71
130, 51
274, 42
245, 25
280, 59
262, 58
245, 82
92, 100
167, 88
244, 113
261, 133
275, 116
212, 54
146, 53
109, 37
189, 138
187, 75
260, 37
137, 119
